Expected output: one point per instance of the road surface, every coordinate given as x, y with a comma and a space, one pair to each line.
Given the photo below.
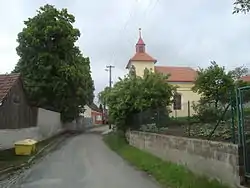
85, 162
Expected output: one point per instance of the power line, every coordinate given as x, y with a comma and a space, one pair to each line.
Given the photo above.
131, 14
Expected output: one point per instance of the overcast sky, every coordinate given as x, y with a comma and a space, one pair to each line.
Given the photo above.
177, 33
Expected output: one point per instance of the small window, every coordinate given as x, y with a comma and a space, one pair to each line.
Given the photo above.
98, 118
177, 102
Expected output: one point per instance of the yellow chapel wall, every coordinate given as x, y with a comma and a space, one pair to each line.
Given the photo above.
140, 66
185, 89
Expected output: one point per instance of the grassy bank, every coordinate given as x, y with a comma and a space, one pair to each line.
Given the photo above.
168, 174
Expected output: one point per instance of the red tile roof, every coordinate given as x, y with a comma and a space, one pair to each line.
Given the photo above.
142, 56
245, 78
178, 74
6, 83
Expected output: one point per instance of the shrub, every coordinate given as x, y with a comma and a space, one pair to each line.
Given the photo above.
207, 112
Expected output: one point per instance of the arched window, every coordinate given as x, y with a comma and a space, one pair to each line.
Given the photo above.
177, 101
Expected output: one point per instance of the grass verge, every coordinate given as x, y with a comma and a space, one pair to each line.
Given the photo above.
166, 173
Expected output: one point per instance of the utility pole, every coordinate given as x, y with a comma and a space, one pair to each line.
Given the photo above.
109, 69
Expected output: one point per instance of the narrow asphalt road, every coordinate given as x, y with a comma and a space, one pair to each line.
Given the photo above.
85, 162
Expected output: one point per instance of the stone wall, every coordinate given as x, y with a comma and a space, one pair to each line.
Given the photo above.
213, 159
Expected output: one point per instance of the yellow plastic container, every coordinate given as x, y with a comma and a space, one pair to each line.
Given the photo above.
25, 147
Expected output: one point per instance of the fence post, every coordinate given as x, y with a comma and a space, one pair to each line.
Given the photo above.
158, 117
232, 118
189, 124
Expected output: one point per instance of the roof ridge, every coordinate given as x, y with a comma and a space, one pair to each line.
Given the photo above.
174, 66
178, 74
11, 74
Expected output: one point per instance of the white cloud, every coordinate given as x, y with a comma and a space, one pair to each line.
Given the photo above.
184, 33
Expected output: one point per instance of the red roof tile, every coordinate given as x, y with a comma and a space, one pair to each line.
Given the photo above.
142, 56
245, 78
178, 74
6, 83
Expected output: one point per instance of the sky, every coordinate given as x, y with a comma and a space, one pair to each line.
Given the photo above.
177, 33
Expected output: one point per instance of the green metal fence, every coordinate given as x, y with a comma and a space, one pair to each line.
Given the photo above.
186, 122
243, 113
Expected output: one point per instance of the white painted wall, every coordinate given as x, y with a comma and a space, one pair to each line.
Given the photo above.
48, 124
87, 112
9, 136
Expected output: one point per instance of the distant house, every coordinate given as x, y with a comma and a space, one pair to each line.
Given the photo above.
245, 78
93, 112
15, 112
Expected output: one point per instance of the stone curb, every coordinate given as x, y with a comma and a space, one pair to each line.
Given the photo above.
18, 171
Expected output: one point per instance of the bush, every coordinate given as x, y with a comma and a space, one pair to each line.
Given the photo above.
132, 95
207, 112
180, 121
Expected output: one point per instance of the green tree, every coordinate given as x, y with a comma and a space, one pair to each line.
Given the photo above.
55, 73
238, 72
217, 89
241, 6
134, 94
103, 96
213, 84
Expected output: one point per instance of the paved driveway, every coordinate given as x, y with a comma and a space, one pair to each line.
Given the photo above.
85, 162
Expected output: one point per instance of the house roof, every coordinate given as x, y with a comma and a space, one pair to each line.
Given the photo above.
139, 56
178, 74
142, 56
245, 78
94, 107
6, 83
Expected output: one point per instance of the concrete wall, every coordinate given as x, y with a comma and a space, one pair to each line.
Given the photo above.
48, 124
79, 125
87, 112
213, 159
9, 136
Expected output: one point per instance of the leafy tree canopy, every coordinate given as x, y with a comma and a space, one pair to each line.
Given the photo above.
241, 6
134, 94
238, 72
55, 73
103, 95
217, 89
214, 83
